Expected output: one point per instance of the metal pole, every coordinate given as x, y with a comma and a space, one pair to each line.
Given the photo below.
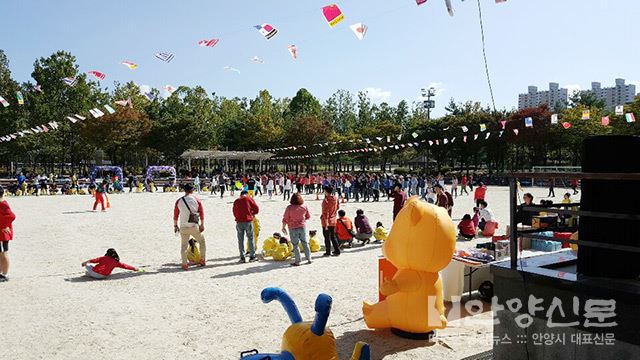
513, 233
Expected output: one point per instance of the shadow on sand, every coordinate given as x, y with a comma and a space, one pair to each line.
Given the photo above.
382, 343
112, 277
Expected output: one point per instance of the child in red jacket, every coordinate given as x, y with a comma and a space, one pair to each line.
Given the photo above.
467, 228
105, 265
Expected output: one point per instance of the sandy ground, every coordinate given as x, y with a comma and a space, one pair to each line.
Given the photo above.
50, 311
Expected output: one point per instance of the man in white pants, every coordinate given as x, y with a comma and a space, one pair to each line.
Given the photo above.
188, 211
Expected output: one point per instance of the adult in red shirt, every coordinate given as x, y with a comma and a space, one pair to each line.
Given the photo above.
463, 185
6, 234
329, 219
244, 209
399, 199
480, 193
105, 265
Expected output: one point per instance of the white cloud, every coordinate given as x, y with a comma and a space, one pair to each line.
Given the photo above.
572, 88
377, 94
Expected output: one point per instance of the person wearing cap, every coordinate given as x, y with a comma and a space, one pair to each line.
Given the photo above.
244, 210
188, 220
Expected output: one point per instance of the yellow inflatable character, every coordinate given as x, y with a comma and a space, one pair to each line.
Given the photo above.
193, 252
421, 243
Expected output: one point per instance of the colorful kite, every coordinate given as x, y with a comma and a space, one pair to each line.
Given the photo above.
503, 123
149, 96
293, 51
71, 81
109, 109
229, 68
449, 7
208, 43
359, 30
483, 127
267, 31
129, 64
420, 2
566, 125
170, 89
620, 110
586, 114
630, 117
333, 14
554, 119
257, 60
20, 98
605, 121
4, 102
97, 74
166, 57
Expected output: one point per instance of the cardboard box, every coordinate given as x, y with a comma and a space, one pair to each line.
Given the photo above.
543, 222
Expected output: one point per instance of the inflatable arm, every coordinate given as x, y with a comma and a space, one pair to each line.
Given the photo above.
271, 293
323, 308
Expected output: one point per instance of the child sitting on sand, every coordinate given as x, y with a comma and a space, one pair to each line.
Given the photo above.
467, 228
380, 234
314, 244
105, 265
193, 252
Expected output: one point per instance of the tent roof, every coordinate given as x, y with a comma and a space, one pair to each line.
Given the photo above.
230, 155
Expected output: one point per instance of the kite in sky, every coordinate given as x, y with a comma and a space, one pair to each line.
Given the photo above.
420, 2
208, 43
71, 81
129, 64
229, 68
166, 57
294, 51
449, 7
170, 89
97, 74
267, 31
359, 29
257, 60
333, 14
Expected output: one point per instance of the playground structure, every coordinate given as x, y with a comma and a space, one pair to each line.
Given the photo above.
159, 170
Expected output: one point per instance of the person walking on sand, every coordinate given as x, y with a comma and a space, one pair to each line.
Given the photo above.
99, 194
6, 234
295, 217
552, 184
189, 213
329, 219
399, 198
244, 210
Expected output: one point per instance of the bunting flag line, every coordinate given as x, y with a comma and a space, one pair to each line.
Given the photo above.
38, 88
415, 135
72, 119
475, 136
516, 131
130, 65
80, 117
630, 117
208, 43
109, 109
483, 127
166, 57
97, 74
20, 98
566, 125
229, 68
465, 129
359, 29
267, 31
293, 51
528, 122
554, 119
4, 102
586, 114
96, 113
501, 133
127, 102
257, 60
605, 121
619, 110
487, 137
71, 81
464, 138
333, 14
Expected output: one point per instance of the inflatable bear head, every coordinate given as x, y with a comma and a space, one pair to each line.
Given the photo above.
423, 238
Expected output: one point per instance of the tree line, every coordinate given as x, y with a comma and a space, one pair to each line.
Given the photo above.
158, 131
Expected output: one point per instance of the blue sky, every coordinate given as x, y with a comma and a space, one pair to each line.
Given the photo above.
529, 42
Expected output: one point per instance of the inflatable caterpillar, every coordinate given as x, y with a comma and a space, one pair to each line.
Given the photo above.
309, 340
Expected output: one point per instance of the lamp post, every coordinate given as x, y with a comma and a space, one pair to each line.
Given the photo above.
428, 104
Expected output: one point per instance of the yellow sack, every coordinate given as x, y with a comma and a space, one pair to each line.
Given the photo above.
193, 252
314, 244
380, 234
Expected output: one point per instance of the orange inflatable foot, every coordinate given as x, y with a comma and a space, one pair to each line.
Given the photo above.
376, 316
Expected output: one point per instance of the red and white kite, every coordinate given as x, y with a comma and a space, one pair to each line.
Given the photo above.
208, 43
359, 30
294, 51
97, 74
